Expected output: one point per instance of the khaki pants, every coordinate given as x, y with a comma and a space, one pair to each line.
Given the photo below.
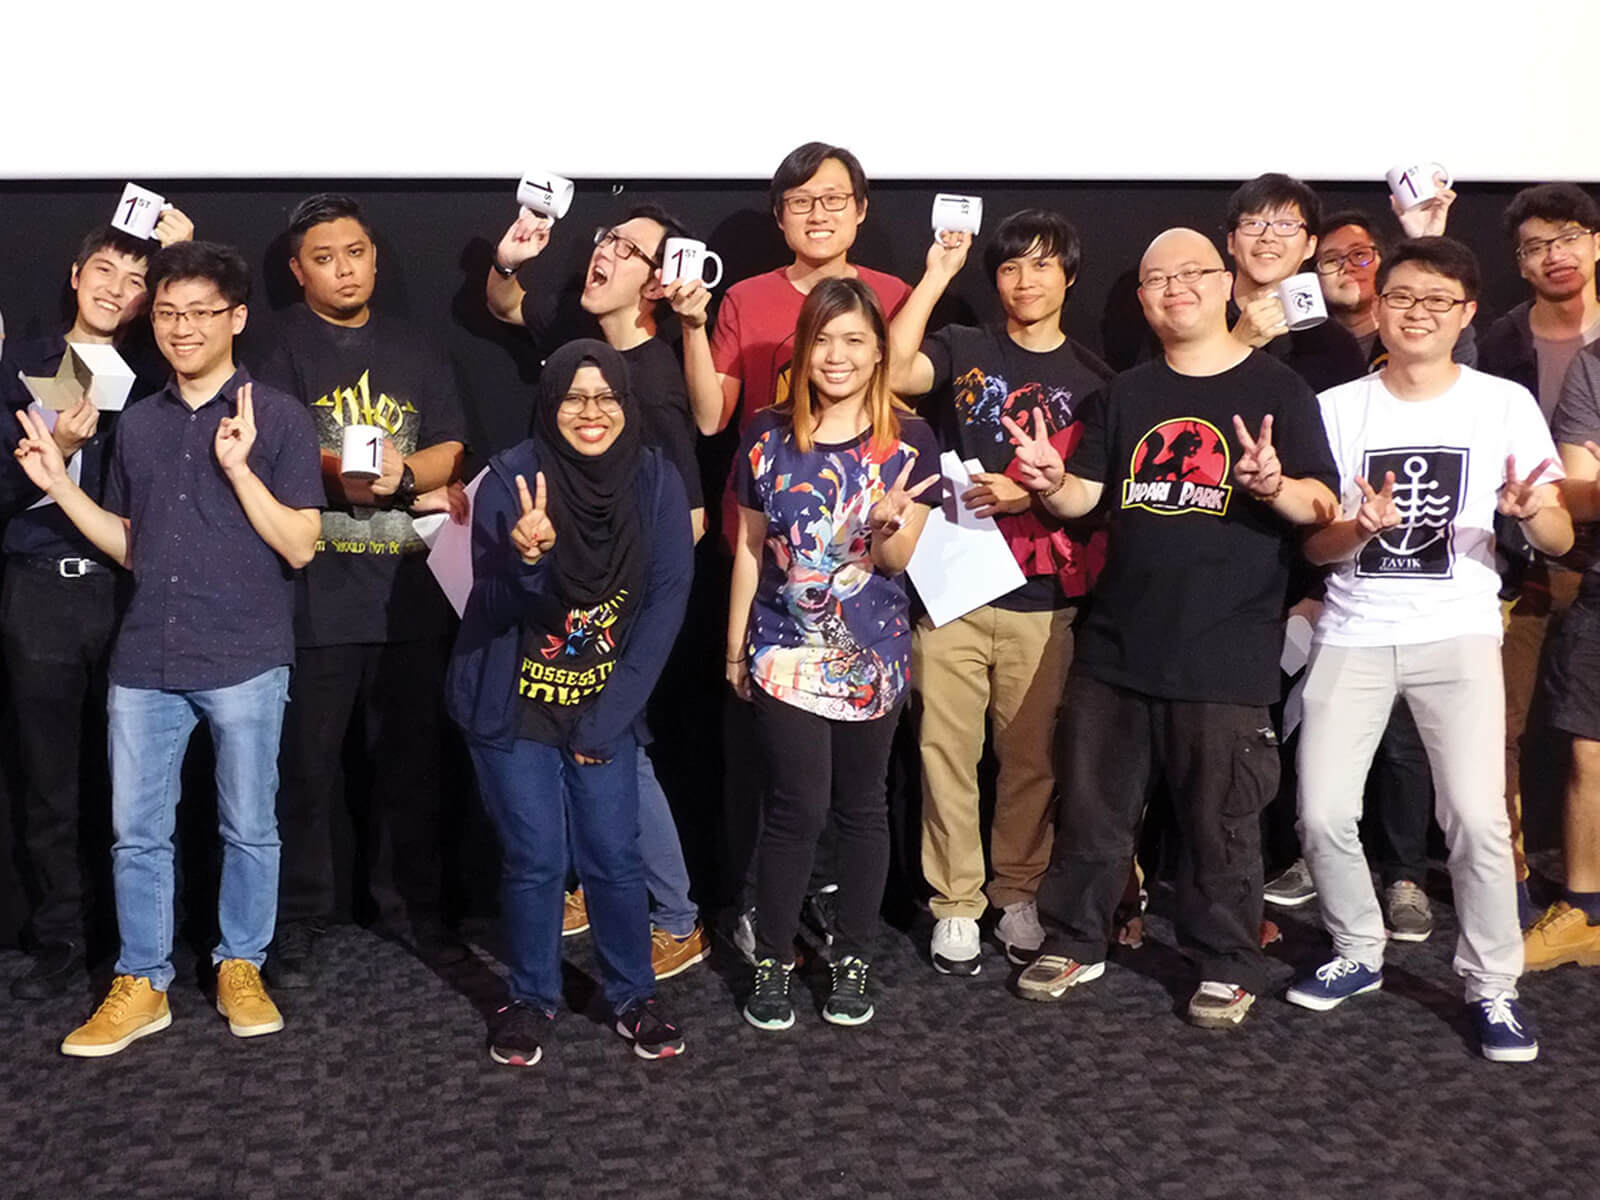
1526, 623
1013, 666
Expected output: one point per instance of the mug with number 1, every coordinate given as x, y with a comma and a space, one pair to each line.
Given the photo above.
138, 211
1417, 184
362, 456
685, 258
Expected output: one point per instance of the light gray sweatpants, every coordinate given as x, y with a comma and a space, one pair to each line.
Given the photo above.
1456, 696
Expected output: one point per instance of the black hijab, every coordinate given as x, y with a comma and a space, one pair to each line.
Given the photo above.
599, 546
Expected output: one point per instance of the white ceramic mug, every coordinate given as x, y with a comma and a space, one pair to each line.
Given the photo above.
138, 211
1301, 297
1415, 185
546, 194
362, 453
957, 214
686, 258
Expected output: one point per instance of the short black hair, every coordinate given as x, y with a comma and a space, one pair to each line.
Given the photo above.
211, 261
1267, 192
319, 210
1352, 216
1441, 255
801, 163
1022, 231
1558, 203
109, 237
671, 227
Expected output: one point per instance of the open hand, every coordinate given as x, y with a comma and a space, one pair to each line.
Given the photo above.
532, 535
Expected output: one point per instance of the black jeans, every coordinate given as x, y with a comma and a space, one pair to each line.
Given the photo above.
398, 690
56, 632
1220, 762
816, 767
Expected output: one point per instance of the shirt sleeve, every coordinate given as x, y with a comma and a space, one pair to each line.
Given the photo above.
727, 338
115, 499
747, 463
442, 416
1577, 416
1089, 459
1528, 438
917, 437
1300, 437
937, 348
297, 459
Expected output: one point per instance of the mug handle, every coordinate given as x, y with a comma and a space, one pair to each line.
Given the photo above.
1441, 169
711, 256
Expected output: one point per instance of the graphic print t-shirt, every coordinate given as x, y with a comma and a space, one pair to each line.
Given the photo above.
369, 581
1190, 605
1433, 576
979, 376
567, 655
828, 632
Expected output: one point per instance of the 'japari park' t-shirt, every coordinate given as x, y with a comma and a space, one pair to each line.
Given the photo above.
567, 656
754, 341
369, 581
828, 632
1432, 576
1190, 605
979, 376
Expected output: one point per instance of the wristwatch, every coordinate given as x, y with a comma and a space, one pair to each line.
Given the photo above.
405, 492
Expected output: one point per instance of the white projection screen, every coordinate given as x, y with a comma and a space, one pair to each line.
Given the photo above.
1005, 89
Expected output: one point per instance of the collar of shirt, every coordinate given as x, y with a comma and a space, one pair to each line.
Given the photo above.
229, 391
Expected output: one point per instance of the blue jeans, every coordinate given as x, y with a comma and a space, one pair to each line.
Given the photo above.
149, 732
665, 873
540, 799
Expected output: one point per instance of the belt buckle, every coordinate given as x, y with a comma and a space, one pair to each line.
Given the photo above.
73, 568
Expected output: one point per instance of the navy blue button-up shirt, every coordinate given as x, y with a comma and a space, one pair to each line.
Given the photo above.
213, 604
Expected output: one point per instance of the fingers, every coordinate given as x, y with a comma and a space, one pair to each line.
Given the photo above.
1265, 439
1533, 477
1041, 431
917, 489
1366, 488
1021, 437
244, 406
522, 495
905, 474
1243, 434
1388, 485
539, 492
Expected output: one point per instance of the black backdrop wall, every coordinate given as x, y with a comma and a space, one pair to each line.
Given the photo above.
435, 241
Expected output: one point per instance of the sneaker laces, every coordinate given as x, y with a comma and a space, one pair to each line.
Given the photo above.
1409, 896
772, 980
644, 1020
1498, 1011
850, 976
1328, 972
241, 981
115, 1005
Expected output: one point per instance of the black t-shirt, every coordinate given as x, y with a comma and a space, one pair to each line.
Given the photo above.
369, 581
1190, 605
1324, 356
554, 317
567, 655
981, 375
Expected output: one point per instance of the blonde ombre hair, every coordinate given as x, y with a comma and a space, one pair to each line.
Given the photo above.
830, 299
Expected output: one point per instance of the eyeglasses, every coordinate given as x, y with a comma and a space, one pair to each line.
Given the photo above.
195, 316
1434, 304
802, 205
625, 248
1255, 226
1567, 239
575, 403
1157, 280
1355, 259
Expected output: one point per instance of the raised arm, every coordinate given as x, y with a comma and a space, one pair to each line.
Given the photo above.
910, 370
528, 235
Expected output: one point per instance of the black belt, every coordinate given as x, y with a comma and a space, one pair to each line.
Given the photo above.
65, 568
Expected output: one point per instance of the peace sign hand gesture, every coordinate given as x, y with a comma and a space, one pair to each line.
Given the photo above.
1378, 510
1039, 464
1258, 470
532, 535
1521, 498
38, 454
890, 513
236, 434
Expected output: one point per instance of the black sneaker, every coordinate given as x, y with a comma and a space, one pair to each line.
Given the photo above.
769, 1007
645, 1025
517, 1036
820, 913
55, 966
848, 1003
437, 944
292, 961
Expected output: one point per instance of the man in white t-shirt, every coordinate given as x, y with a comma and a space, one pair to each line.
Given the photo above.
1427, 450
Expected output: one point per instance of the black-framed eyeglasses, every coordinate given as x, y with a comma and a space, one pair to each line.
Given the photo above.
1255, 226
195, 316
1157, 280
574, 403
625, 249
1355, 258
1401, 301
802, 205
1539, 247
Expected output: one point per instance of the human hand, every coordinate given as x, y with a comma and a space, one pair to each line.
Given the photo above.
1261, 320
393, 466
532, 535
948, 254
993, 494
76, 426
889, 514
173, 226
1524, 498
738, 676
1257, 470
237, 434
39, 455
529, 234
690, 299
1427, 219
1038, 462
1378, 510
451, 498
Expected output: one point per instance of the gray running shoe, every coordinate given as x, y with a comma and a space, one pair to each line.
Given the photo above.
1217, 1005
1291, 889
1406, 912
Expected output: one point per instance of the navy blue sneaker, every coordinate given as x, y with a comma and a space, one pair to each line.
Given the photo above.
1331, 984
1504, 1033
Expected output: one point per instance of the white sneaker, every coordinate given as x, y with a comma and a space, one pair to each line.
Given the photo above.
1020, 933
955, 946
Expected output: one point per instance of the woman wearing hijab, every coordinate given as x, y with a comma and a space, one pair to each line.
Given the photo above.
581, 554
818, 638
